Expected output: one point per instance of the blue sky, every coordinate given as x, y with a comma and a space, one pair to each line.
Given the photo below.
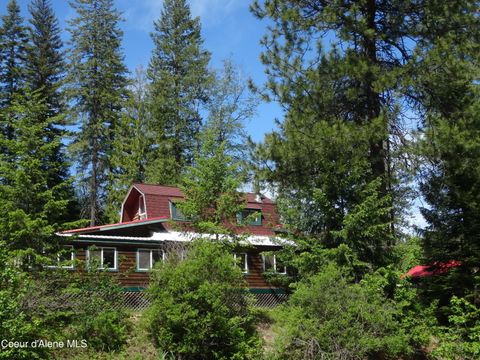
228, 28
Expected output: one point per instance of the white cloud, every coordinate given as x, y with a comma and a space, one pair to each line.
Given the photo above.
141, 14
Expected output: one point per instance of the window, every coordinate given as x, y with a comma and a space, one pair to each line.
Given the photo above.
241, 260
64, 258
146, 258
272, 264
175, 212
250, 217
142, 214
104, 257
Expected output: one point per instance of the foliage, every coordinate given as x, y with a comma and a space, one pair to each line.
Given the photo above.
328, 317
179, 78
201, 307
15, 325
97, 88
462, 338
130, 147
13, 42
230, 105
212, 199
33, 207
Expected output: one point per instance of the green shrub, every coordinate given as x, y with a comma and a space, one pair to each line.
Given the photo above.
461, 339
107, 331
201, 307
327, 317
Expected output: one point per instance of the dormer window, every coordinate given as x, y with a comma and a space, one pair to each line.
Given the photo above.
142, 214
250, 217
175, 212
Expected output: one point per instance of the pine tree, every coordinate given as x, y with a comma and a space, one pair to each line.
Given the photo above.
450, 144
179, 79
45, 71
13, 40
130, 147
32, 208
344, 71
45, 67
97, 79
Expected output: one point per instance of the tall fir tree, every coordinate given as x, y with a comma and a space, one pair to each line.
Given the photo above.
179, 79
32, 208
13, 41
131, 146
450, 145
45, 71
97, 88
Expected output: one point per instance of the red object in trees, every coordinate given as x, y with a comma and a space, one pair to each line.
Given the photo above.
437, 268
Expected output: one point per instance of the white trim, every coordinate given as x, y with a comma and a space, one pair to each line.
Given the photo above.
101, 248
151, 258
72, 260
274, 264
125, 199
245, 259
258, 240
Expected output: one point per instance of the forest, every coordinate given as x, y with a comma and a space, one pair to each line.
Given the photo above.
381, 119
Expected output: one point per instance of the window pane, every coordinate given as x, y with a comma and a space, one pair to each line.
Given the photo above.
240, 261
176, 213
109, 258
94, 258
65, 257
268, 263
157, 255
144, 259
280, 266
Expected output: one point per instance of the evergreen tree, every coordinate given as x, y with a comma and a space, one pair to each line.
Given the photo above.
32, 208
45, 70
179, 79
450, 141
130, 147
211, 188
97, 89
13, 41
45, 67
344, 72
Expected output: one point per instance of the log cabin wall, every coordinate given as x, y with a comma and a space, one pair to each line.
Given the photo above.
129, 277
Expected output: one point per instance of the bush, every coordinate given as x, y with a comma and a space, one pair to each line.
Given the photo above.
107, 331
201, 307
327, 317
461, 340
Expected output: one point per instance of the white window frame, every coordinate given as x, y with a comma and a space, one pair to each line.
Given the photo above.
72, 260
101, 248
284, 272
141, 203
151, 258
245, 258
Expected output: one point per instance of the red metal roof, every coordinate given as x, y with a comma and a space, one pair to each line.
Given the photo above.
436, 268
150, 189
109, 226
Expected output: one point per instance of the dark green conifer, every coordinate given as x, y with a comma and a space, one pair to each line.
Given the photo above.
179, 79
97, 89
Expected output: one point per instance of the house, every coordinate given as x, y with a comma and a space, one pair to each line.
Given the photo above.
147, 232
